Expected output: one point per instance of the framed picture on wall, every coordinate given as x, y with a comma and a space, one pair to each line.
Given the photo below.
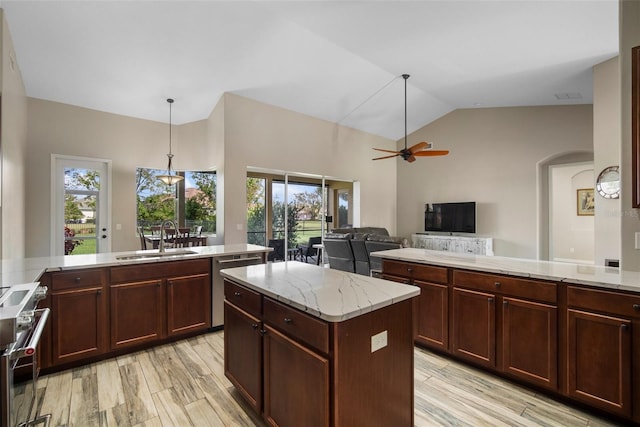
586, 203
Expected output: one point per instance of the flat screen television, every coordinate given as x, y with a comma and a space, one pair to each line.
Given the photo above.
450, 217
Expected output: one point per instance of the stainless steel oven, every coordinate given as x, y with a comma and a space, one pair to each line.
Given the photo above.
21, 326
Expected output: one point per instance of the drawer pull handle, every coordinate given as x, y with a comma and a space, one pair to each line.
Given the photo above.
636, 306
236, 293
410, 270
77, 280
498, 284
288, 320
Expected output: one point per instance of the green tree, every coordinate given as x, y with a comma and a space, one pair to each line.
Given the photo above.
312, 201
72, 210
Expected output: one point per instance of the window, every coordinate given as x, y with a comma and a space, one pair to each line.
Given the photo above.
190, 203
266, 210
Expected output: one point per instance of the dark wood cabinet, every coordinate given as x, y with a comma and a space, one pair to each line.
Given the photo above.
188, 304
603, 334
243, 353
529, 341
155, 301
474, 326
78, 319
136, 313
292, 370
599, 353
431, 307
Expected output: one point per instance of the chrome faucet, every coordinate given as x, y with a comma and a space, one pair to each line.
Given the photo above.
162, 233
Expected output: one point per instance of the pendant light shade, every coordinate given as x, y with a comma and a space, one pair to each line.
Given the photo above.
170, 178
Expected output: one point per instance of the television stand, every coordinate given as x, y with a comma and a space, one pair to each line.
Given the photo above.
449, 243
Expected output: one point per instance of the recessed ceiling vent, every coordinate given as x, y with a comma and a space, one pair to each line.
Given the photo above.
568, 95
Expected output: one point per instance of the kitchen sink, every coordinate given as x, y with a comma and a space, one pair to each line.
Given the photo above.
148, 255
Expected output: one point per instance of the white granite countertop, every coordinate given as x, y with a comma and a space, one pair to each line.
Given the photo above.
28, 270
590, 275
332, 295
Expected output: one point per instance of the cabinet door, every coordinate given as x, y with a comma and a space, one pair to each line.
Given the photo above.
430, 312
474, 326
136, 313
243, 353
599, 361
188, 304
294, 373
78, 324
529, 341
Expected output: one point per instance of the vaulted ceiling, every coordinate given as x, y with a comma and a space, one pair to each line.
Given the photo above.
339, 61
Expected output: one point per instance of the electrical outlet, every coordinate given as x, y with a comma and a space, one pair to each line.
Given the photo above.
378, 341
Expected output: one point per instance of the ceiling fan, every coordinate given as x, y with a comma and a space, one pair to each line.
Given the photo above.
419, 149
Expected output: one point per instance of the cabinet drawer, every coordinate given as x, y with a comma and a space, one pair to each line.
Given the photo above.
415, 271
523, 288
135, 273
77, 279
297, 324
248, 300
604, 301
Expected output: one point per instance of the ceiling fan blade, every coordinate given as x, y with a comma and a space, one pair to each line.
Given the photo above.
419, 146
387, 157
428, 153
387, 151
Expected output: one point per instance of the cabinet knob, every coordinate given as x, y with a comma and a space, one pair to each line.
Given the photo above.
490, 299
498, 284
505, 303
99, 292
636, 306
624, 326
288, 320
263, 332
254, 325
409, 270
237, 294
77, 280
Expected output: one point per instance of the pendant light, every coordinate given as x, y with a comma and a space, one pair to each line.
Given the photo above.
170, 178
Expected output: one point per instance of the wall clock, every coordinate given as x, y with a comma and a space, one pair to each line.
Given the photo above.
608, 183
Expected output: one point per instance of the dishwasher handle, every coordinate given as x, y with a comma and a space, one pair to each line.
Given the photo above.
252, 260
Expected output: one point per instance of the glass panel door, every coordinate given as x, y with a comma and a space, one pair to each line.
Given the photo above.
80, 220
256, 212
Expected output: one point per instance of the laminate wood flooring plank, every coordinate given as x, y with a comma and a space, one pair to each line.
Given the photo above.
170, 409
84, 409
57, 398
174, 369
140, 405
153, 422
117, 416
196, 366
157, 379
230, 410
110, 393
202, 414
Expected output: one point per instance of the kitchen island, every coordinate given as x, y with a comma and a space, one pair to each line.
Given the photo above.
571, 330
312, 346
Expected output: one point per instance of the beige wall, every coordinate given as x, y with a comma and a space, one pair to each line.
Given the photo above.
606, 148
493, 160
263, 136
13, 143
130, 143
239, 133
629, 37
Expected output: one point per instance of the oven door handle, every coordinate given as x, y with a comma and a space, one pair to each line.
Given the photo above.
30, 348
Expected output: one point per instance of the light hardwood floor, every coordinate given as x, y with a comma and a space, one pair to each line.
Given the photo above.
183, 384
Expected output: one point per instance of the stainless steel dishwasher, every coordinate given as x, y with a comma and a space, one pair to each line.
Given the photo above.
217, 294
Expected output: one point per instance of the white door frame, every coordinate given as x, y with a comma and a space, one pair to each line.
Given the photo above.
58, 164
